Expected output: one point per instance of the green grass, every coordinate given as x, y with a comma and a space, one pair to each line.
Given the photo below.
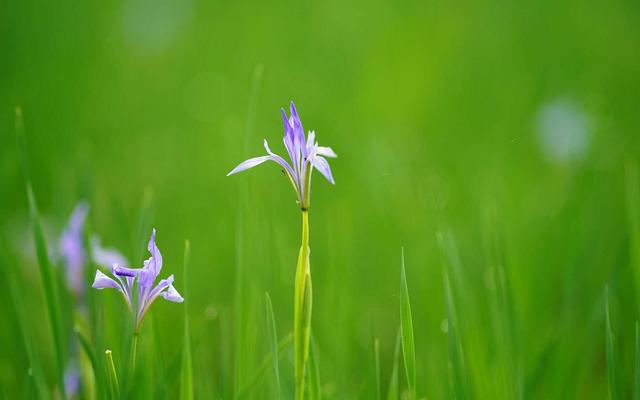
435, 113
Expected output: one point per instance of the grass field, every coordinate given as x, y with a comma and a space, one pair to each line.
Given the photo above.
482, 238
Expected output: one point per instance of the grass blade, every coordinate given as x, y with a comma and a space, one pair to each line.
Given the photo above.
186, 371
392, 393
273, 339
315, 389
49, 282
113, 376
459, 381
376, 366
612, 360
636, 375
456, 354
88, 350
264, 366
406, 333
34, 361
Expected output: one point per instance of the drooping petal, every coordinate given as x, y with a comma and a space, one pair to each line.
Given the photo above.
162, 285
172, 294
250, 163
326, 152
102, 281
322, 165
283, 163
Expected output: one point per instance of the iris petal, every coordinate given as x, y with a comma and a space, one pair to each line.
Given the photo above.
250, 163
102, 281
322, 165
326, 152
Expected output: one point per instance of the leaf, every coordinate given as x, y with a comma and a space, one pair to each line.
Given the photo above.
315, 389
186, 371
376, 366
636, 375
88, 350
406, 333
46, 272
392, 393
34, 360
456, 354
612, 360
459, 380
273, 339
264, 365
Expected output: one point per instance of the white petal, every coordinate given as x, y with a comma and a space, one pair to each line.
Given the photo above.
326, 152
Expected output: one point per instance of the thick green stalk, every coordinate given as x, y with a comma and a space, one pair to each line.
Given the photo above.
302, 309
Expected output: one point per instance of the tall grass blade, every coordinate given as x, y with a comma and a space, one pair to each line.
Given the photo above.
239, 308
46, 272
315, 389
186, 371
633, 218
91, 355
272, 335
406, 333
114, 385
459, 381
612, 358
636, 373
264, 367
456, 354
34, 360
376, 367
392, 392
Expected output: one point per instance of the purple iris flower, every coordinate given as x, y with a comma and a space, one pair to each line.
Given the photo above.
305, 155
147, 291
72, 249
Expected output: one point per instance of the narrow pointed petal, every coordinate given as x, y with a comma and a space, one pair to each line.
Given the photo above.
155, 263
311, 139
311, 146
102, 281
283, 163
166, 290
298, 130
326, 152
322, 165
289, 139
250, 163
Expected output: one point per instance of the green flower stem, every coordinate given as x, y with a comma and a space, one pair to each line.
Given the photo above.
302, 309
132, 355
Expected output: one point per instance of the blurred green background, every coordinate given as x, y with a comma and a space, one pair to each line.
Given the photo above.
510, 127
